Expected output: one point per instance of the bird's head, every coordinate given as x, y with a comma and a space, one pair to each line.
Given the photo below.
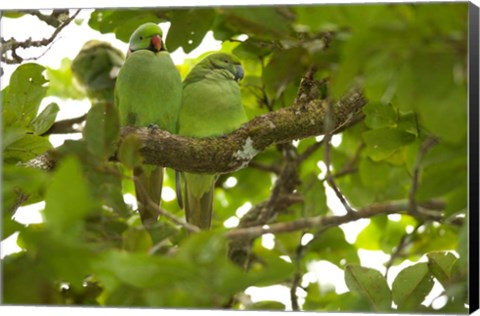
147, 36
225, 62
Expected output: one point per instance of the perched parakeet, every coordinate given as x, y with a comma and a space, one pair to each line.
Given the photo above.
211, 106
148, 92
96, 67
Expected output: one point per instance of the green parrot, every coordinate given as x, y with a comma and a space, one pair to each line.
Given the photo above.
95, 68
148, 93
211, 106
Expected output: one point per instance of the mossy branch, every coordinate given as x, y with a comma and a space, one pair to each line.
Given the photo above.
235, 150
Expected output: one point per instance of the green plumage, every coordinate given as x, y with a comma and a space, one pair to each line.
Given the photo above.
211, 106
148, 92
95, 69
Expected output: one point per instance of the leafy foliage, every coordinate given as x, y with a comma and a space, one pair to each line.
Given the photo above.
91, 249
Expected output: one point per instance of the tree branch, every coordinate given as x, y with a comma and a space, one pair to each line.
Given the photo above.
12, 45
66, 126
325, 222
234, 151
53, 19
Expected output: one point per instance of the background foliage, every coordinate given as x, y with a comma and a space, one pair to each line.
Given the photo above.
410, 62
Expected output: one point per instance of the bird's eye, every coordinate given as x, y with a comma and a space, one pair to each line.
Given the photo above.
141, 38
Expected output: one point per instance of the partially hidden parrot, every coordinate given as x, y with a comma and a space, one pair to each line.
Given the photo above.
95, 68
211, 106
148, 93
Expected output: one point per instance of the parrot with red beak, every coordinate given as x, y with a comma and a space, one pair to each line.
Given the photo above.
148, 93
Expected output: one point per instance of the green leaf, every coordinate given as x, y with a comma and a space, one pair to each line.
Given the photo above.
265, 23
383, 142
12, 14
26, 148
137, 239
67, 199
454, 106
353, 56
122, 295
26, 282
188, 28
129, 151
285, 67
138, 269
441, 178
315, 198
25, 92
11, 135
273, 270
440, 265
199, 266
463, 248
457, 201
9, 226
62, 256
61, 82
384, 180
435, 238
45, 119
121, 22
329, 301
102, 130
321, 18
266, 305
411, 286
383, 234
252, 48
333, 247
380, 74
18, 180
371, 284
426, 84
378, 115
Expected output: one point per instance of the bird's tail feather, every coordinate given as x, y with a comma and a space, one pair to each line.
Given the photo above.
178, 189
198, 209
148, 188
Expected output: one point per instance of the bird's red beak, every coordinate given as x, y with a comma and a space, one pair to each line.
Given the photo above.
157, 43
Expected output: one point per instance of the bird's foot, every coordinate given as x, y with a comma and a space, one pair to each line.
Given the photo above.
153, 127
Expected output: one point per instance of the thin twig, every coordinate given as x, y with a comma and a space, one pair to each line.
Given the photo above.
310, 150
427, 144
329, 176
297, 276
264, 99
168, 215
401, 245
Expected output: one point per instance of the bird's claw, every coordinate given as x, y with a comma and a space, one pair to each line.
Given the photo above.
153, 127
